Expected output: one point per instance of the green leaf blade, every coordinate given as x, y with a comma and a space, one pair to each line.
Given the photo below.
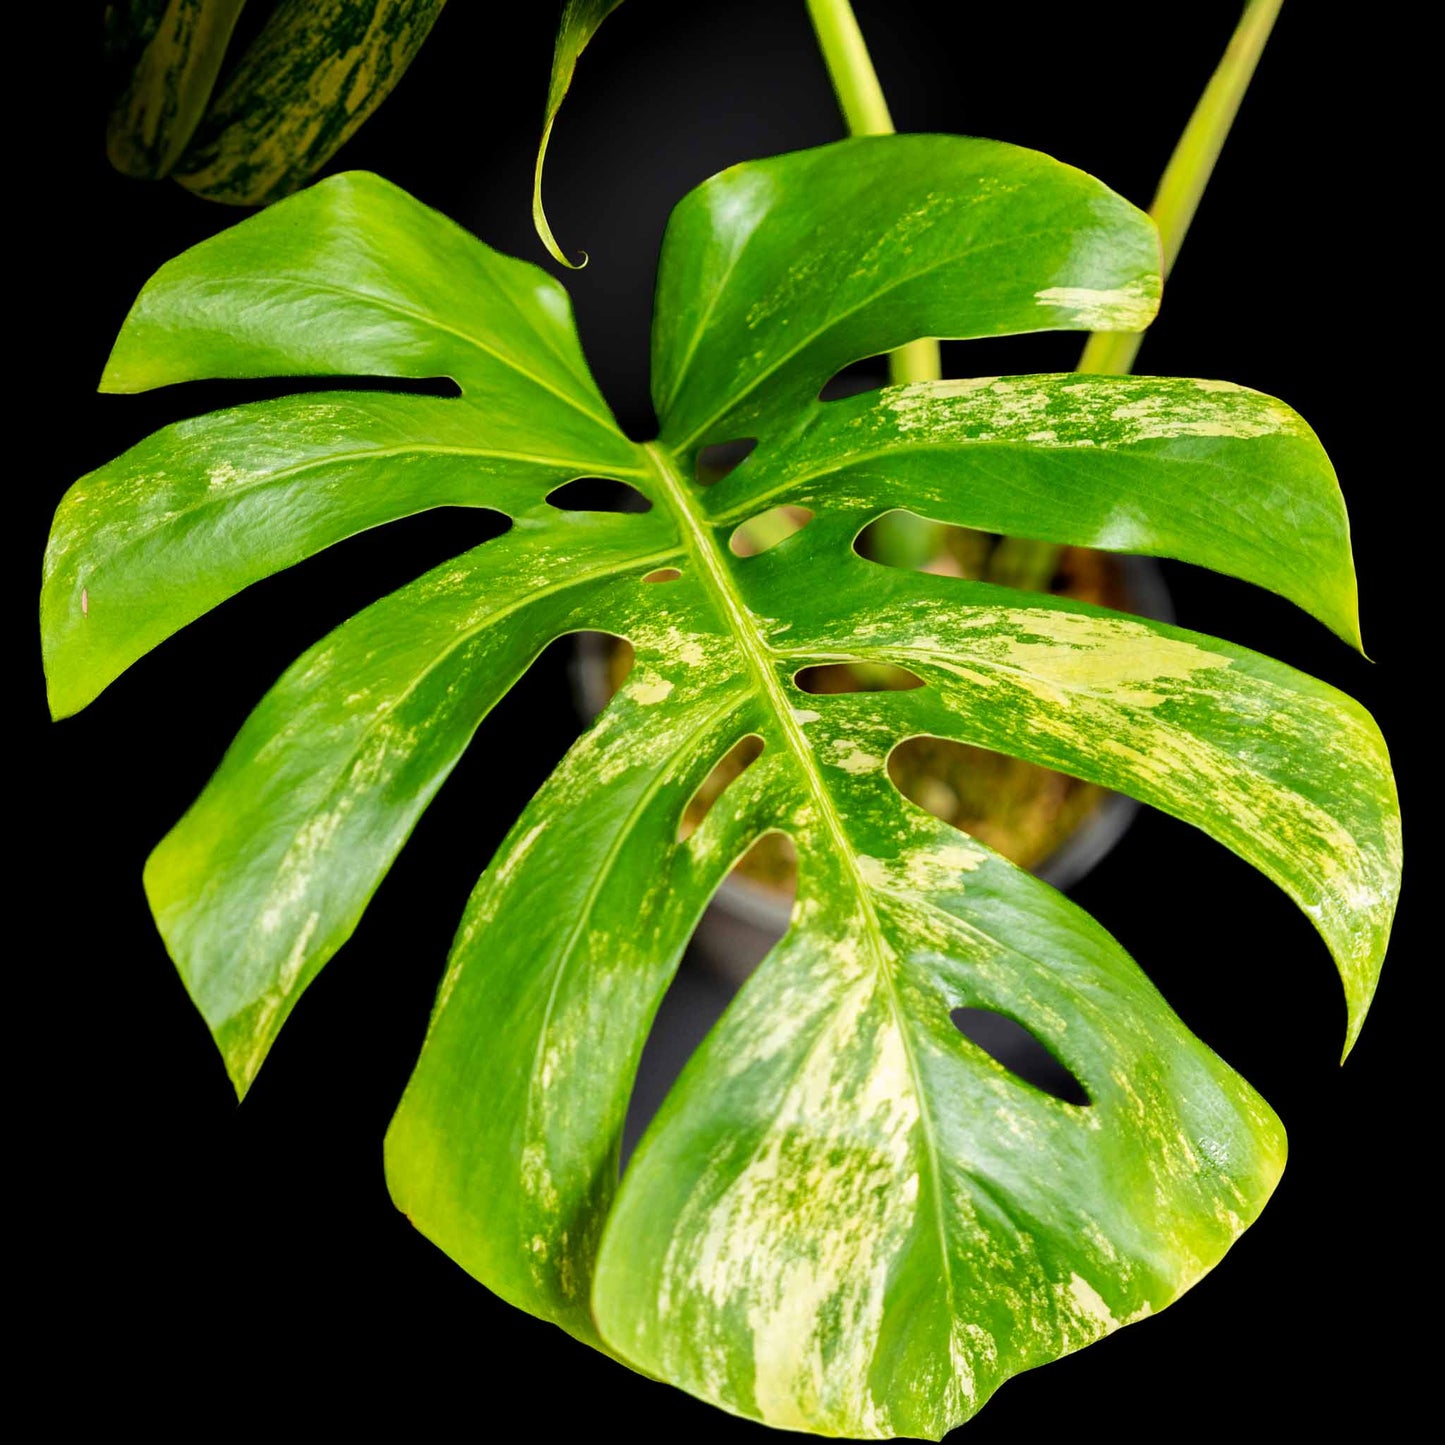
1201, 471
202, 509
270, 870
354, 277
775, 274
351, 277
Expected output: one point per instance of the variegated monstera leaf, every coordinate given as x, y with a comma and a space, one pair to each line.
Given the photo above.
846, 1217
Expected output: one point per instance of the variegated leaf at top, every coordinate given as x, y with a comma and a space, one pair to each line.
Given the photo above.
176, 49
580, 22
295, 94
846, 1217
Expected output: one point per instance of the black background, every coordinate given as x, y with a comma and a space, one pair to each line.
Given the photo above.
229, 1266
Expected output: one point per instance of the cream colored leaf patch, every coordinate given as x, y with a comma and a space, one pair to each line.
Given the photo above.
1120, 308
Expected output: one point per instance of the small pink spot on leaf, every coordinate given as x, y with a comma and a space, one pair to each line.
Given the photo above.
85, 602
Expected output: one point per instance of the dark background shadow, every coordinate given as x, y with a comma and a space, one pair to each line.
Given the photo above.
204, 1264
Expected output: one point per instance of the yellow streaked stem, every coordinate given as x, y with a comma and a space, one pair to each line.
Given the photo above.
865, 111
860, 97
1180, 190
1187, 174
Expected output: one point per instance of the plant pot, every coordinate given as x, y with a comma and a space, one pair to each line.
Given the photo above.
747, 917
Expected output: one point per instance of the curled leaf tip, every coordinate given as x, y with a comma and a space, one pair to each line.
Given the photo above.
579, 24
539, 212
544, 231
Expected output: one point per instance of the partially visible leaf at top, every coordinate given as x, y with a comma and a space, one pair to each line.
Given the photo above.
128, 28
580, 22
174, 50
846, 1217
316, 71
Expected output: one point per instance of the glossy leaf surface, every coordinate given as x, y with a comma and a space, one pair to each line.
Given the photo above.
741, 345
846, 1217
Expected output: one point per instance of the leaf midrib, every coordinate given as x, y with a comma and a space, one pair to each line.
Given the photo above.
758, 657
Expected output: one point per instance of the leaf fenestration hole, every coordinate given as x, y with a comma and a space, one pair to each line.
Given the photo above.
597, 494
453, 842
601, 663
716, 460
905, 540
1049, 822
197, 397
830, 678
663, 574
1009, 1043
232, 659
759, 534
729, 768
911, 543
740, 926
870, 374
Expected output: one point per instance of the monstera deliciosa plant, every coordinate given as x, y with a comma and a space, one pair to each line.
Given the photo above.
846, 1217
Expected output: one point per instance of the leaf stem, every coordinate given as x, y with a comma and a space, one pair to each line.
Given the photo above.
1181, 188
1182, 185
1020, 562
850, 68
865, 111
